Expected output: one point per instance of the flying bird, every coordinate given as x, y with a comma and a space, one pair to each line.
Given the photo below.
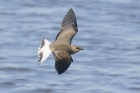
61, 47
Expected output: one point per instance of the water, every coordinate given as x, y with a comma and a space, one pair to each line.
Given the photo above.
108, 31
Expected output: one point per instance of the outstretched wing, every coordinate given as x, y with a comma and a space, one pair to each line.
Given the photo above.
43, 50
68, 28
62, 61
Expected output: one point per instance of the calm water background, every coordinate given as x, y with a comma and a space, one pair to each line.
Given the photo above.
109, 31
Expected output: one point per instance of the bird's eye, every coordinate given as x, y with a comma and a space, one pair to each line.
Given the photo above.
77, 48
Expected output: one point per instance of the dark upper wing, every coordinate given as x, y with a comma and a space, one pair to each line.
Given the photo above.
68, 28
62, 61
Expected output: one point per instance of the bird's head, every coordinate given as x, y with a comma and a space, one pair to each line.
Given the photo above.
76, 49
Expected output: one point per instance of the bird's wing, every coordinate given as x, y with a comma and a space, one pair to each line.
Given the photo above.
62, 61
68, 28
43, 50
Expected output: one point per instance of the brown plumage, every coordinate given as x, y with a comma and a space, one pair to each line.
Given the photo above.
62, 48
68, 28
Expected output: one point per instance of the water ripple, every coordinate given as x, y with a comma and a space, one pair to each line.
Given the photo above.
107, 30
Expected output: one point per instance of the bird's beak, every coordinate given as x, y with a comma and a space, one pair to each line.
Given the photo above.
82, 49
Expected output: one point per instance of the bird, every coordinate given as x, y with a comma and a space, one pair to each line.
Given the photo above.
61, 47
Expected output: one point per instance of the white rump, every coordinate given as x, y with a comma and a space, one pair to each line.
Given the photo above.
44, 50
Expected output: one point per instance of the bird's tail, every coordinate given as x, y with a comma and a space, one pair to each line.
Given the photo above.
44, 50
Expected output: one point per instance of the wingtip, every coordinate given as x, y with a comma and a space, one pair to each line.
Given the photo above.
69, 20
59, 73
70, 9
